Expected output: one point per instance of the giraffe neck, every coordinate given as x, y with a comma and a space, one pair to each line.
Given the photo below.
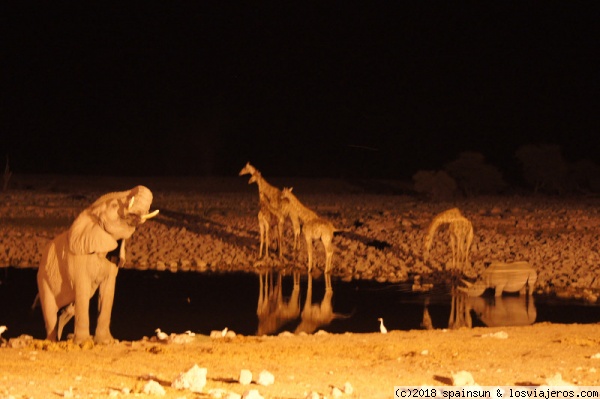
273, 194
303, 212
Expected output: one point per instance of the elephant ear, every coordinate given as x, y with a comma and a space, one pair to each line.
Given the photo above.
86, 236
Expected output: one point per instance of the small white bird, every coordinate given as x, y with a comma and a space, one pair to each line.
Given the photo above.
381, 326
224, 332
161, 335
2, 329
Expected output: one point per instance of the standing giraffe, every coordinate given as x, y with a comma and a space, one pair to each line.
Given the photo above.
313, 227
461, 235
271, 205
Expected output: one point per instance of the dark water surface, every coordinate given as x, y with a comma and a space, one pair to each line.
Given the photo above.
251, 303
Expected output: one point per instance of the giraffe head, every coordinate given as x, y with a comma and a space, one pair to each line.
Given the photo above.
286, 193
250, 170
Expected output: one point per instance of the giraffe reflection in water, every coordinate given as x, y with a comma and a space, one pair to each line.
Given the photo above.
273, 311
317, 315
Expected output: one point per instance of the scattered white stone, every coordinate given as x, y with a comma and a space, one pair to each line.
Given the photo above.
252, 394
312, 395
68, 393
194, 379
321, 332
336, 393
223, 394
462, 378
153, 388
556, 381
424, 352
348, 388
285, 334
497, 335
595, 356
265, 378
184, 338
245, 377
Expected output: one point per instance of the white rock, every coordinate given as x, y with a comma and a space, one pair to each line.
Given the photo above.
153, 388
595, 356
462, 378
194, 379
265, 378
498, 335
336, 393
556, 381
245, 377
348, 388
252, 394
223, 394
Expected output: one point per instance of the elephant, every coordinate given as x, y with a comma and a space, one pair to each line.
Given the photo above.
78, 262
504, 277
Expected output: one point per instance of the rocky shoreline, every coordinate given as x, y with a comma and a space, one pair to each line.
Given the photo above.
211, 225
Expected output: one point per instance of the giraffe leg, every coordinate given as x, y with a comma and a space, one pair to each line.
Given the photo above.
328, 252
453, 247
261, 229
309, 250
280, 223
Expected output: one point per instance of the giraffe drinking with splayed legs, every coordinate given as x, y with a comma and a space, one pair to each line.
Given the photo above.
461, 235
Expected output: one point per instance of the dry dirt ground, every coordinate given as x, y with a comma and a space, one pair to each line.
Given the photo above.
216, 226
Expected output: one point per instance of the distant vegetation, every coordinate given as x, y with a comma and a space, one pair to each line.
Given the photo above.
543, 170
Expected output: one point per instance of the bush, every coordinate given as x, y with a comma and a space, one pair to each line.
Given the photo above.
473, 176
437, 185
544, 168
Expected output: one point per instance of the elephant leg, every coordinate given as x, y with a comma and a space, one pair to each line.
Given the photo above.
106, 295
82, 315
84, 289
49, 310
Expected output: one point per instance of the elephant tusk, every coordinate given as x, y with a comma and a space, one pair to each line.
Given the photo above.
131, 201
467, 283
150, 215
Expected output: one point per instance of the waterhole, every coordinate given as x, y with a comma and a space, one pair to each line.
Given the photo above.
271, 302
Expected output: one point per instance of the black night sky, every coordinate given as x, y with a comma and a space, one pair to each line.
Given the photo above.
304, 89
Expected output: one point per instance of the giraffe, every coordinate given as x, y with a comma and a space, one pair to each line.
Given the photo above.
314, 228
271, 206
461, 235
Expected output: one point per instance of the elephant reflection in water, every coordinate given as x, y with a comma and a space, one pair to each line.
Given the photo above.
317, 315
272, 311
505, 310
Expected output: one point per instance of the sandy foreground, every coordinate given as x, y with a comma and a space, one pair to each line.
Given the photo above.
211, 225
